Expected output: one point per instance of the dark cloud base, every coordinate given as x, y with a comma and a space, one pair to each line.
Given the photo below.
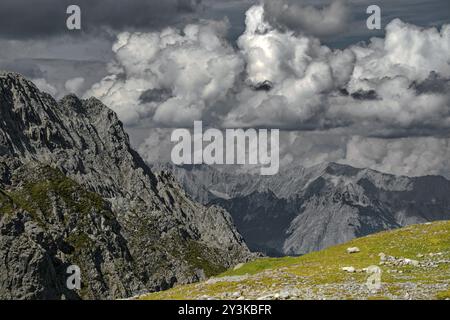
43, 18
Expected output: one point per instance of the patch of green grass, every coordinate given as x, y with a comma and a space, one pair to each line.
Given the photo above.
201, 257
6, 203
36, 193
262, 264
323, 268
79, 240
443, 295
378, 298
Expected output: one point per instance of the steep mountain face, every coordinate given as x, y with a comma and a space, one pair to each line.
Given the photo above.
307, 209
72, 191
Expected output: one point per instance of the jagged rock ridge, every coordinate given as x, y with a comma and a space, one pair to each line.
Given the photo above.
136, 231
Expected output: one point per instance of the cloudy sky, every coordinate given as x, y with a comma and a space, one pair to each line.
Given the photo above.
339, 91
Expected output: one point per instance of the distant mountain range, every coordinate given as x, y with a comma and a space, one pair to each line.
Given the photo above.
307, 209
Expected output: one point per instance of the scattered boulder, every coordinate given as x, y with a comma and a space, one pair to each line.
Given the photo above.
238, 266
372, 269
265, 297
349, 269
353, 250
393, 261
411, 262
284, 294
227, 279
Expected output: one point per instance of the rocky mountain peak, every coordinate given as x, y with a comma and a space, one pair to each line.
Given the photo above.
334, 168
168, 237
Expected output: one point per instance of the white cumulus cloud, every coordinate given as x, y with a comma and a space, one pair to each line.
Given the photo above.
364, 105
74, 85
196, 66
407, 156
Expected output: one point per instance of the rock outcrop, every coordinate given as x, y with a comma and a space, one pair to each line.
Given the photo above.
73, 191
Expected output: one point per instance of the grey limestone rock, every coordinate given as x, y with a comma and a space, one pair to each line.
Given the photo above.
73, 191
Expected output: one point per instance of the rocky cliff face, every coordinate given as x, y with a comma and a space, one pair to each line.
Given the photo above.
307, 209
72, 191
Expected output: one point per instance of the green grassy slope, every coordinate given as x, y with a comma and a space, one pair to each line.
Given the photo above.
319, 275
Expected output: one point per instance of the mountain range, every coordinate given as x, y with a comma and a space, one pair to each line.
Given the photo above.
308, 209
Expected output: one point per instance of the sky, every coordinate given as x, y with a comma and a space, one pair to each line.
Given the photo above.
338, 91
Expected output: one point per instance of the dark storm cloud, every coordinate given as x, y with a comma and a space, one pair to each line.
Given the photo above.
26, 68
434, 84
39, 18
340, 23
155, 95
419, 12
325, 20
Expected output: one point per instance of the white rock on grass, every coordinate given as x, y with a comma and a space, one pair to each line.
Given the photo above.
227, 279
349, 269
411, 262
285, 294
266, 297
372, 269
353, 250
238, 266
